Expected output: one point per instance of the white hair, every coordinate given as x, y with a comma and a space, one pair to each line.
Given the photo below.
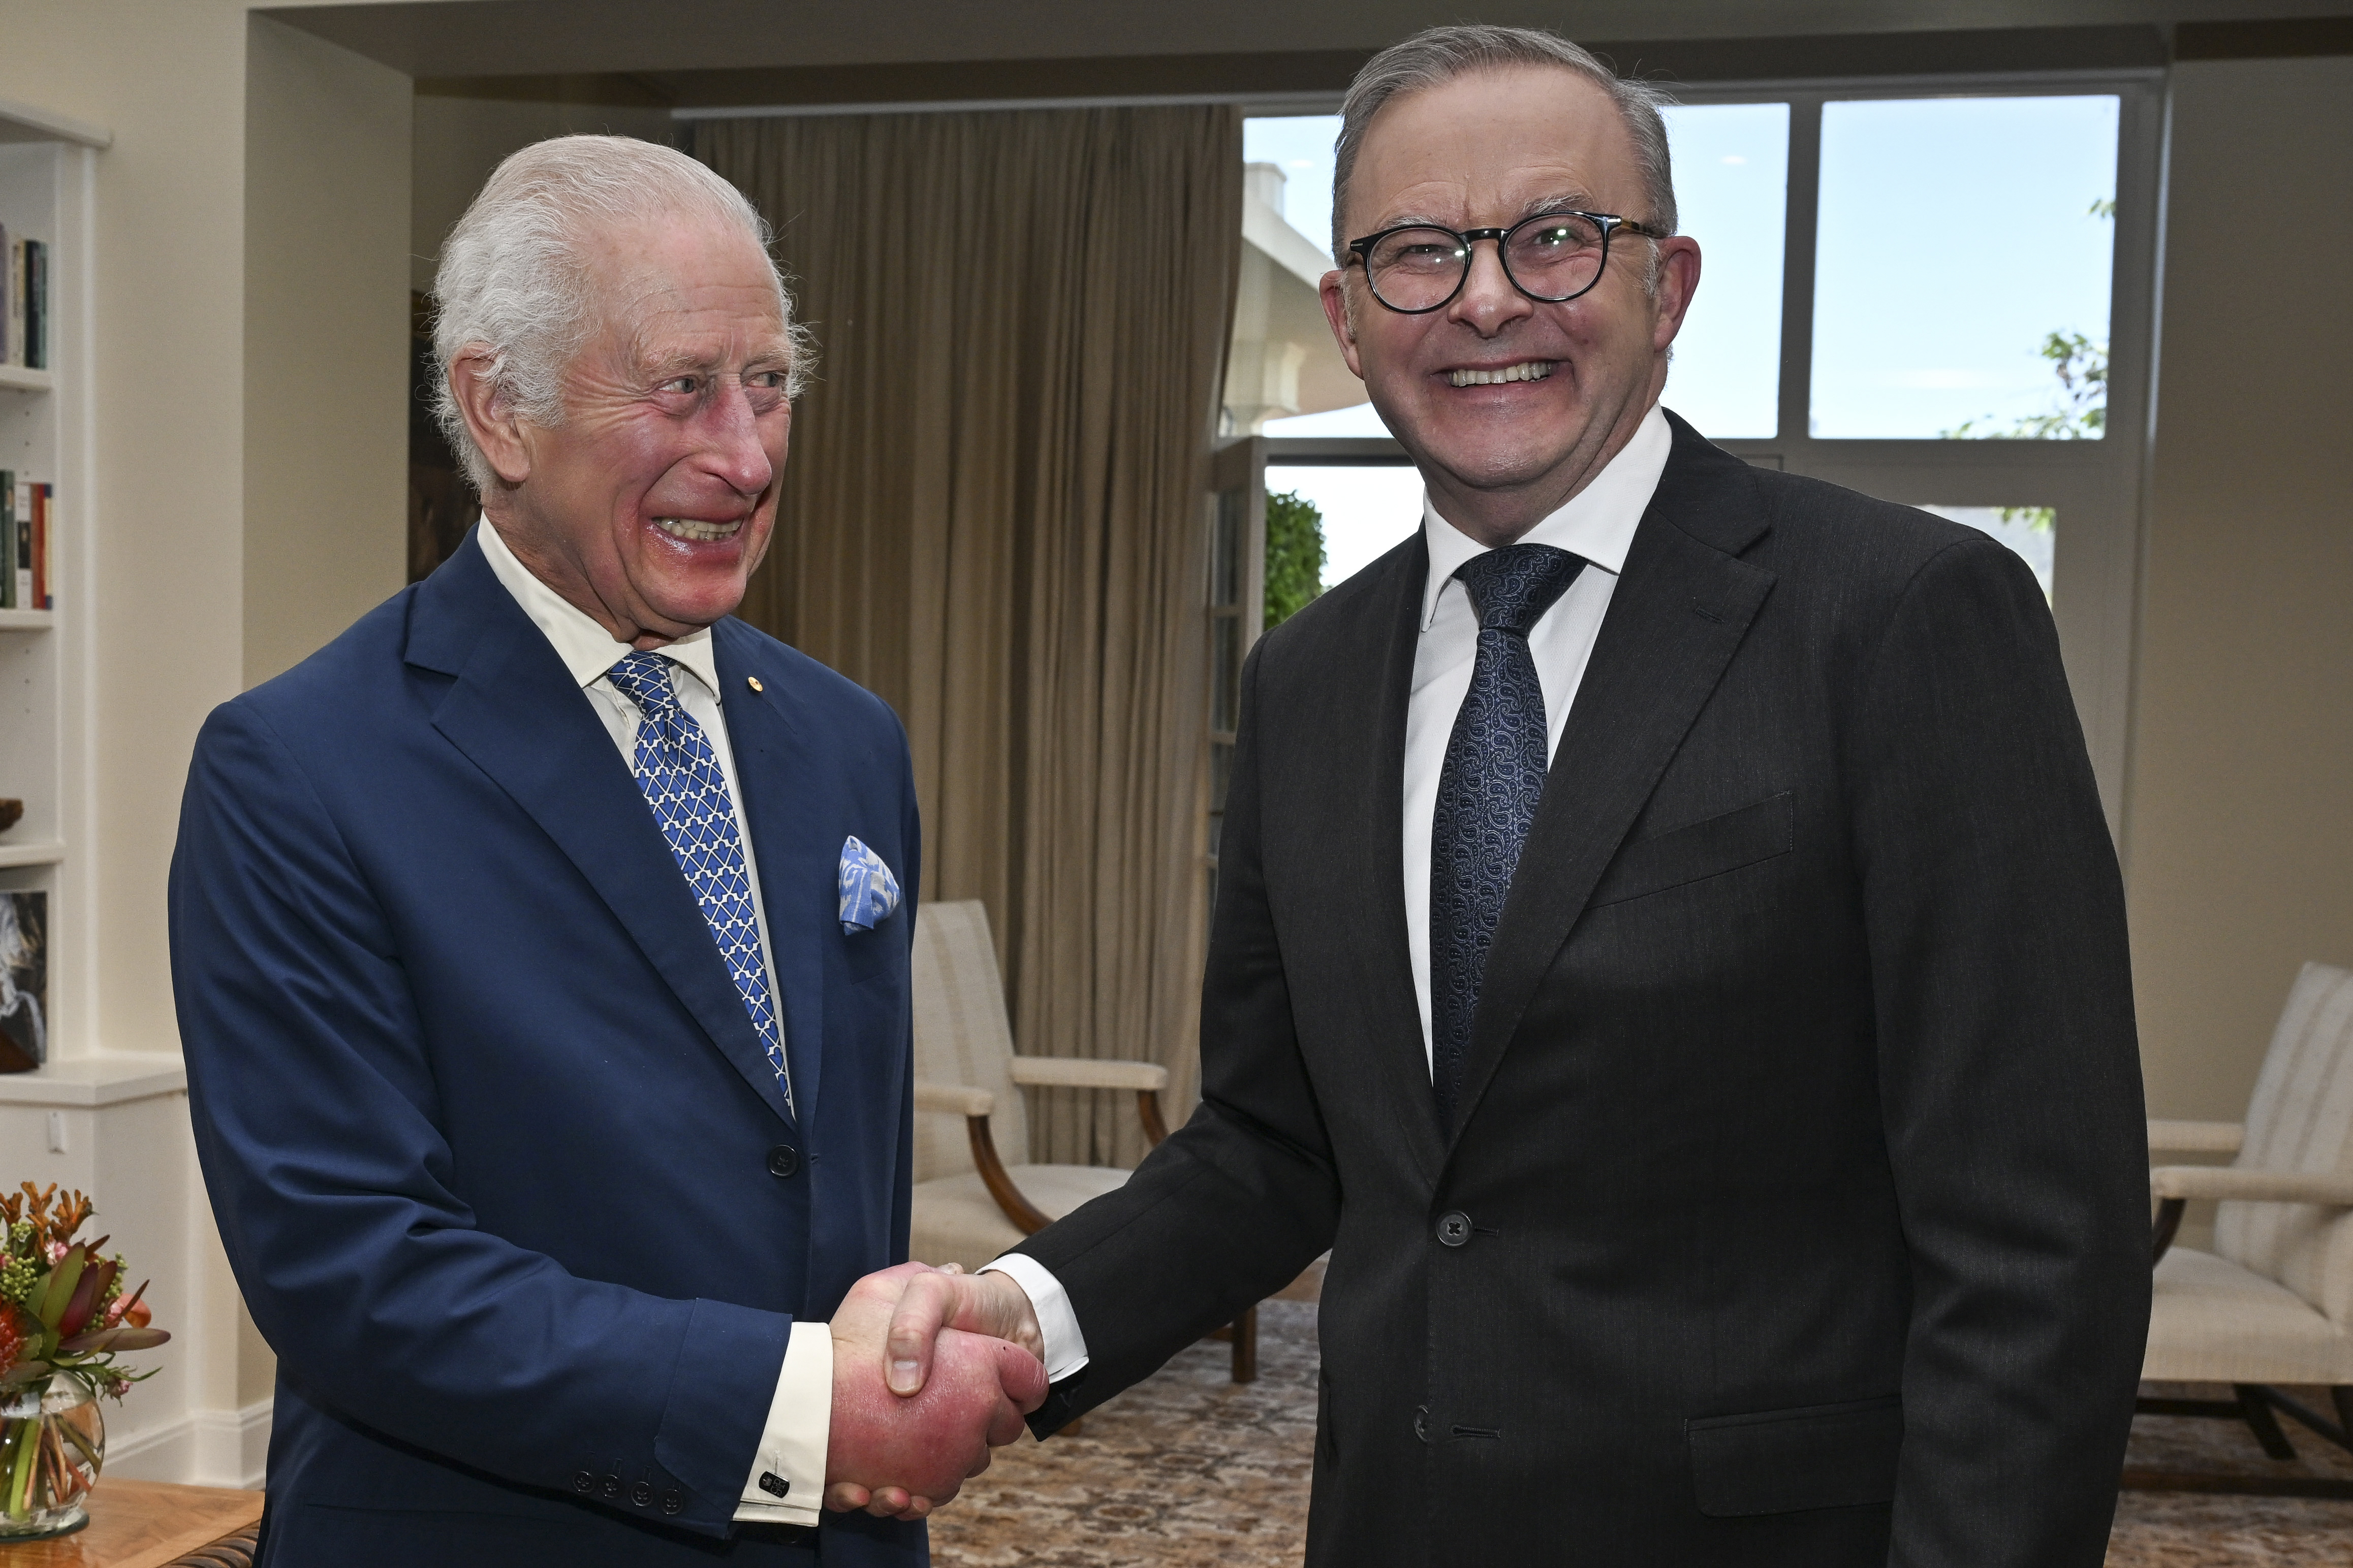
515, 285
1439, 55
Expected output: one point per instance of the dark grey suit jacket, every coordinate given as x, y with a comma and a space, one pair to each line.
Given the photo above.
1797, 1195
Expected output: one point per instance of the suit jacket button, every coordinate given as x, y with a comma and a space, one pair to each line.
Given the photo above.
672, 1502
1421, 1422
1454, 1230
642, 1493
609, 1487
783, 1160
583, 1482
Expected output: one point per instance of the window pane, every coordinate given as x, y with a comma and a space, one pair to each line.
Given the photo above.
1301, 146
1731, 186
1226, 547
1225, 672
1962, 279
2032, 530
1367, 510
1221, 773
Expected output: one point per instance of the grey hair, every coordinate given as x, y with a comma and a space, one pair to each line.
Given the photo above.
1439, 55
514, 278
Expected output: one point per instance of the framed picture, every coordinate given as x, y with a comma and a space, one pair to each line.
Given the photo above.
24, 981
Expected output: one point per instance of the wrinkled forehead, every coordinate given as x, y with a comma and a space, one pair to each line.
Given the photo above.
684, 288
1515, 132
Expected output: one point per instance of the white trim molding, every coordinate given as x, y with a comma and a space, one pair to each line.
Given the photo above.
204, 1449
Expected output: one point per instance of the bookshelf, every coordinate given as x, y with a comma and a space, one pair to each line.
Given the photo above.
47, 170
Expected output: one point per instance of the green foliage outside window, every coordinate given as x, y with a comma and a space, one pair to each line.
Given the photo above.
1295, 556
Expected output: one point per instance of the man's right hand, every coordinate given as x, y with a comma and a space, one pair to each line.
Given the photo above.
952, 1301
900, 1455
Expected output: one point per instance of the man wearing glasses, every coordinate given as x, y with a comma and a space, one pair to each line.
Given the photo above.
1669, 950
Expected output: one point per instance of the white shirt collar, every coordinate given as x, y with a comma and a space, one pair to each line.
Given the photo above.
587, 649
1598, 523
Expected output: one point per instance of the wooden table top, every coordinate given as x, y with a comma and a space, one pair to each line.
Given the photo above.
141, 1524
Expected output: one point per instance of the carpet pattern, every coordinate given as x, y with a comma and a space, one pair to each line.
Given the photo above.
1186, 1468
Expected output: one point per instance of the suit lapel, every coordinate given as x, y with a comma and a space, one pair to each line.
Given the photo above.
1369, 849
516, 713
799, 869
1680, 610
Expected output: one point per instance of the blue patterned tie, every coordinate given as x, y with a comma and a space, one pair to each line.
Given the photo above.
680, 775
1487, 793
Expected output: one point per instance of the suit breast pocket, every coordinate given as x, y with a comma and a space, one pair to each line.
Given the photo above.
1723, 843
1780, 1461
876, 954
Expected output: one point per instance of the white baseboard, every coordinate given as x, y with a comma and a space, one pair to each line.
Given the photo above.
206, 1448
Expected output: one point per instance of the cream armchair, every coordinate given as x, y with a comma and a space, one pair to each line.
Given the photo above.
977, 1192
2273, 1303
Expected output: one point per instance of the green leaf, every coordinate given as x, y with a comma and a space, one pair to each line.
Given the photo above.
124, 1337
1295, 556
63, 1277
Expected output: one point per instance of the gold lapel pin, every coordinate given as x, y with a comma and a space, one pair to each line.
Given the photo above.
753, 682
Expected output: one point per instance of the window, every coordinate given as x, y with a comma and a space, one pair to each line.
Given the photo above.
1936, 293
1959, 237
1732, 189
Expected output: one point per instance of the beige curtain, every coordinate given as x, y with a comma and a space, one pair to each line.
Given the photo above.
994, 518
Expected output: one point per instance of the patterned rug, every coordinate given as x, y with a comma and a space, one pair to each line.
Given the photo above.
1187, 1468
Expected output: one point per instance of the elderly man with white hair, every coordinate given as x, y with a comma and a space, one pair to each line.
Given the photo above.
541, 948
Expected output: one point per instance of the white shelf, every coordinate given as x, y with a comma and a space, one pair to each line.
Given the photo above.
28, 620
108, 1078
38, 852
22, 380
21, 122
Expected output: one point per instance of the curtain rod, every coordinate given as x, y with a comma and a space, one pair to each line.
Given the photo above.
1935, 84
1289, 102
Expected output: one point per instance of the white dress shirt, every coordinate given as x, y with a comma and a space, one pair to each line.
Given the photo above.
1597, 523
800, 1412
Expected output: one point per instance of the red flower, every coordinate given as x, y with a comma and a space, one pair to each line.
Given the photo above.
17, 1331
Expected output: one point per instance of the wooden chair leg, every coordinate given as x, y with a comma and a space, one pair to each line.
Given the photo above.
2257, 1411
1245, 1331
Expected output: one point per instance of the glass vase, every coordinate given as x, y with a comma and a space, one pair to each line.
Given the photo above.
52, 1444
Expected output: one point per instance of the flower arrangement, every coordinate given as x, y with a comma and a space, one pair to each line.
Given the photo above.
63, 1319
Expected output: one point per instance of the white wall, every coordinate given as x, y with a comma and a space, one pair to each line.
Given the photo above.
2242, 770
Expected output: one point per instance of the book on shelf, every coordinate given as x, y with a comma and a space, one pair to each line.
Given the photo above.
27, 289
36, 305
11, 298
25, 508
38, 539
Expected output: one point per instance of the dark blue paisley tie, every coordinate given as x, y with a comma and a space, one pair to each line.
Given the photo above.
1487, 791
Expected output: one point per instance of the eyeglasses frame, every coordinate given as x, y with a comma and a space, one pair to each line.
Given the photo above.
1360, 250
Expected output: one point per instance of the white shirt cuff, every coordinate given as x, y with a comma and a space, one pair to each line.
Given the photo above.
787, 1484
1066, 1347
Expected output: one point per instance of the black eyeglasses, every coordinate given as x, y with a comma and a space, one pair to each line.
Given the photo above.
1418, 268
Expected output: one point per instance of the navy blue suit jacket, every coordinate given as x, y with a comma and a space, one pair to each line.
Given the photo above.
486, 1127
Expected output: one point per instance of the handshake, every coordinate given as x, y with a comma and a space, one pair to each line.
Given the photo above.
931, 1368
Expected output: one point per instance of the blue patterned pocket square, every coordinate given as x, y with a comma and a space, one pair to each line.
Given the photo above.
869, 891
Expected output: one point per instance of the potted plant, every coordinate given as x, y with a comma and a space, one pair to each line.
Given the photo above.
63, 1319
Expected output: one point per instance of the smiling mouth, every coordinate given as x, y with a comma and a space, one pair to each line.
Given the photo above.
698, 531
1527, 370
